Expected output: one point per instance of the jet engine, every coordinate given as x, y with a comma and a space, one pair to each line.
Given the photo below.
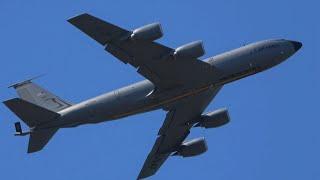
192, 147
148, 32
191, 50
214, 119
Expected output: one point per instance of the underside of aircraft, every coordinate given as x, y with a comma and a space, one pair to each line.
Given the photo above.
177, 81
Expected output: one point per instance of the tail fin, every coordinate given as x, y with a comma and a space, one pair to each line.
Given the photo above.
29, 91
33, 115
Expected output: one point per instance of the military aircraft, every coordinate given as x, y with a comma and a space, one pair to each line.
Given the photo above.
177, 81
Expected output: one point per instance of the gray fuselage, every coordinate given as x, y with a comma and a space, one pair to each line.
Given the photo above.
138, 97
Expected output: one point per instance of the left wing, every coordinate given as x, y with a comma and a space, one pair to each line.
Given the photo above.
152, 60
175, 129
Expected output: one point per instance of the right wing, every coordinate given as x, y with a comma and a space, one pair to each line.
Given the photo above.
152, 60
175, 129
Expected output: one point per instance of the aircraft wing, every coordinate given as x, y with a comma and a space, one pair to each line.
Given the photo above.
175, 129
152, 60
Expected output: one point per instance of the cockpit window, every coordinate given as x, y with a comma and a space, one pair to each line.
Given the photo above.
270, 46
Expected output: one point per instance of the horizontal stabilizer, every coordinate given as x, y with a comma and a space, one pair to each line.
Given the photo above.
31, 114
39, 139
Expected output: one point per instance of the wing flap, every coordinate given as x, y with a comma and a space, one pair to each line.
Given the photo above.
118, 53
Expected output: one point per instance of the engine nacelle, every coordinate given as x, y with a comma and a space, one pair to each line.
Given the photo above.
192, 147
148, 32
191, 50
214, 119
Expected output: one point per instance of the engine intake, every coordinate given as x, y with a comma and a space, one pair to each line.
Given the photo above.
192, 147
148, 32
214, 119
191, 50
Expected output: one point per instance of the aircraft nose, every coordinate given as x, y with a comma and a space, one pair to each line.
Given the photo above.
296, 45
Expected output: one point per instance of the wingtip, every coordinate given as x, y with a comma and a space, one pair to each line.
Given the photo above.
76, 17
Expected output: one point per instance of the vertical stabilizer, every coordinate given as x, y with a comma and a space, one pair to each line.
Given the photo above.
30, 91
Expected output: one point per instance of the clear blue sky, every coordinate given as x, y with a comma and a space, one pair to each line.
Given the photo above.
274, 129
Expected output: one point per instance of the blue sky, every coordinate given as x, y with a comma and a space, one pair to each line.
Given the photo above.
274, 128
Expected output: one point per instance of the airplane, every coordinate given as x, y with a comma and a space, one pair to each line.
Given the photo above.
177, 81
